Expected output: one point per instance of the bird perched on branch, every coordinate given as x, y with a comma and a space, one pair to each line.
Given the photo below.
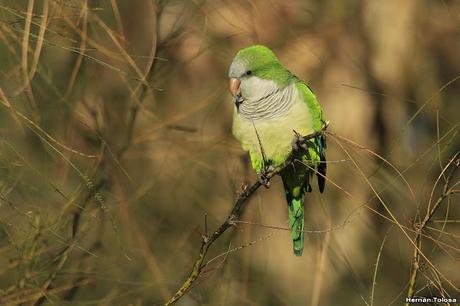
273, 108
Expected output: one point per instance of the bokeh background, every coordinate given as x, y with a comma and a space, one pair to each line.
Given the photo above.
115, 143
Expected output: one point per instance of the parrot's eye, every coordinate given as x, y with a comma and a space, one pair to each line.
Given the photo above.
249, 72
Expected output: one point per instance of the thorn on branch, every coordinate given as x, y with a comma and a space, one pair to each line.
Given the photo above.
243, 188
232, 220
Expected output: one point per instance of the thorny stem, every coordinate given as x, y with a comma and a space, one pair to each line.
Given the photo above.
231, 220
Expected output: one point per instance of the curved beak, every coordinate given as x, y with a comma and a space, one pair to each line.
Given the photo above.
234, 86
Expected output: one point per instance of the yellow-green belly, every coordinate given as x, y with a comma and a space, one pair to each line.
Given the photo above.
276, 135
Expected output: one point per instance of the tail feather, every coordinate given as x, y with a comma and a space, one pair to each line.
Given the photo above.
296, 183
296, 220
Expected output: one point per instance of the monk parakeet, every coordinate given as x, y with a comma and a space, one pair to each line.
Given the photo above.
271, 106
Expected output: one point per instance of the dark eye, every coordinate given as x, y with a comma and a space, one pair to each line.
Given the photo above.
249, 72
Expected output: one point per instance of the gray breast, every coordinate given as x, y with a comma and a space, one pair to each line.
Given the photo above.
273, 104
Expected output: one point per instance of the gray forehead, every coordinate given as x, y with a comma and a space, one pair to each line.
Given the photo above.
237, 68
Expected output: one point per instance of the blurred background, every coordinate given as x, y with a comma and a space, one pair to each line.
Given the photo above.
115, 143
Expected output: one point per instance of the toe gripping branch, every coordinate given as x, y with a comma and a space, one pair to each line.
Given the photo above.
266, 175
299, 142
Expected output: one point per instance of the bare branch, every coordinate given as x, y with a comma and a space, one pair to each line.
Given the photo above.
447, 191
231, 220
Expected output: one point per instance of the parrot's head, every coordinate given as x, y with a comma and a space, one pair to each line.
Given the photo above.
254, 72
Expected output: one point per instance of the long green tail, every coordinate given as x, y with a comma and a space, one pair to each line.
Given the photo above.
296, 220
295, 183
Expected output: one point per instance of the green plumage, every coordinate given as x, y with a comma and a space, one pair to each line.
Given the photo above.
296, 182
281, 104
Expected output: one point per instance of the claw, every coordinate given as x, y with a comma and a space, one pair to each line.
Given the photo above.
238, 101
266, 175
298, 142
264, 181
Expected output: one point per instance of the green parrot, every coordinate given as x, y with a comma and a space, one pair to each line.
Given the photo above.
272, 108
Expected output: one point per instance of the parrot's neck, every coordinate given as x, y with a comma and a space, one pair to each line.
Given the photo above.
264, 99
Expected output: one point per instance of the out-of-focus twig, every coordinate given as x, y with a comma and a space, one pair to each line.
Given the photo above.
120, 152
233, 217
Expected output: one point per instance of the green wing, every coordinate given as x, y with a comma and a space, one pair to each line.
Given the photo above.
296, 179
318, 145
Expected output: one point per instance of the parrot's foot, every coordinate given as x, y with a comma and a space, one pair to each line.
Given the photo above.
298, 142
266, 175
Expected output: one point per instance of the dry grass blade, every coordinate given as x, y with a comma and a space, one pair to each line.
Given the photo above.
414, 243
377, 264
454, 164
